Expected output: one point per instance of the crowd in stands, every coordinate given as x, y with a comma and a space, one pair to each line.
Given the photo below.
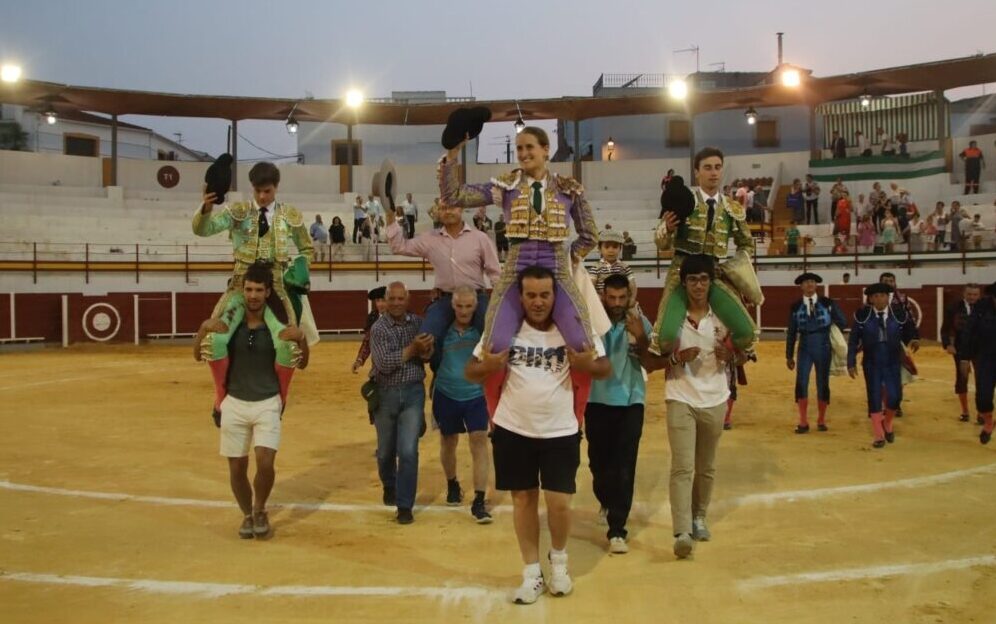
884, 219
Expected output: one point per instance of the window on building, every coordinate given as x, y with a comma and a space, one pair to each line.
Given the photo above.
678, 133
340, 152
766, 133
80, 145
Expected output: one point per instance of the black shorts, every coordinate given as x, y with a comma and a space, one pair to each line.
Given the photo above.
522, 463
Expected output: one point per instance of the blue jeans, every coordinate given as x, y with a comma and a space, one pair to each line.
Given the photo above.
398, 422
439, 317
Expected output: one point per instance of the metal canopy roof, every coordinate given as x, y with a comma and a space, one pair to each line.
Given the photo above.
941, 75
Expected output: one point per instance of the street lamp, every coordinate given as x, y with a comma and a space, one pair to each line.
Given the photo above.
519, 125
865, 100
678, 89
51, 117
292, 125
10, 73
751, 115
611, 145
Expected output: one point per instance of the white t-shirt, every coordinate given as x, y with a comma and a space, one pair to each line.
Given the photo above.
702, 382
537, 400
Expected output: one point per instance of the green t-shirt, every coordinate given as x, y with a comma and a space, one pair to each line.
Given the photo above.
793, 236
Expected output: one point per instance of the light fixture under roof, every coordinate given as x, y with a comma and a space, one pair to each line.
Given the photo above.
51, 117
865, 100
751, 115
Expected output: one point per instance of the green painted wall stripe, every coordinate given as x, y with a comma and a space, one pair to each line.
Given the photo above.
878, 175
873, 160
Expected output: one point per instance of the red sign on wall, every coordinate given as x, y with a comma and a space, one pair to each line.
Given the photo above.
168, 176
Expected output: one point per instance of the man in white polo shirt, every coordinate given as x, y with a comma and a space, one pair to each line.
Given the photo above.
696, 393
537, 440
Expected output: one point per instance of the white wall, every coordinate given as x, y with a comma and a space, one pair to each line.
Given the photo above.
403, 145
30, 168
132, 142
631, 174
794, 165
140, 175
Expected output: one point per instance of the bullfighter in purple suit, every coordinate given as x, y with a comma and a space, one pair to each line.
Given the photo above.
536, 204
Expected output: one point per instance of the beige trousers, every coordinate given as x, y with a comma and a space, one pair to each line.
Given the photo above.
693, 434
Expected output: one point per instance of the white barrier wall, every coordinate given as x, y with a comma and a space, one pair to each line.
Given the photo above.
43, 169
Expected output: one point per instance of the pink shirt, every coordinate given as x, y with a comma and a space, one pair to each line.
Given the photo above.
460, 261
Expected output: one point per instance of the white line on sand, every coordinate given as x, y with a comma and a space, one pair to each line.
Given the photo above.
914, 482
216, 590
749, 499
61, 380
199, 502
858, 574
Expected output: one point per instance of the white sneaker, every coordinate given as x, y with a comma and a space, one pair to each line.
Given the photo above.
531, 589
560, 580
700, 531
683, 545
618, 546
603, 517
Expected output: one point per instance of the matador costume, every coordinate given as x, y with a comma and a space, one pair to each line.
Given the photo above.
259, 236
537, 230
707, 230
536, 213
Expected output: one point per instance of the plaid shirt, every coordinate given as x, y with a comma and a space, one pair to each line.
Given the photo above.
388, 338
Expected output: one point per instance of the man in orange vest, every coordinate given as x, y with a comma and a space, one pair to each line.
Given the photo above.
974, 162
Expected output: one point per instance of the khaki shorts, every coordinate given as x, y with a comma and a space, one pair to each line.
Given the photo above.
243, 422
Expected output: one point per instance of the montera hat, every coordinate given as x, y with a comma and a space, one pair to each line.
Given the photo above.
464, 123
219, 177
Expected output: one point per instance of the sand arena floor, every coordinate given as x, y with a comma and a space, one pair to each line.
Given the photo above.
115, 507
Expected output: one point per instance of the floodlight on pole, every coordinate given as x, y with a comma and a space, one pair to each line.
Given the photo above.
354, 98
678, 89
791, 78
10, 73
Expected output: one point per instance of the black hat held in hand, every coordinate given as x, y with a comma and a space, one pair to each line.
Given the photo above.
219, 177
677, 198
464, 123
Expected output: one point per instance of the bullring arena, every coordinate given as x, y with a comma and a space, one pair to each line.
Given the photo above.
116, 507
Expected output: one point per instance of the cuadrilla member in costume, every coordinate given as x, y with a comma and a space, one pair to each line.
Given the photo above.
702, 221
536, 204
880, 332
260, 230
809, 324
